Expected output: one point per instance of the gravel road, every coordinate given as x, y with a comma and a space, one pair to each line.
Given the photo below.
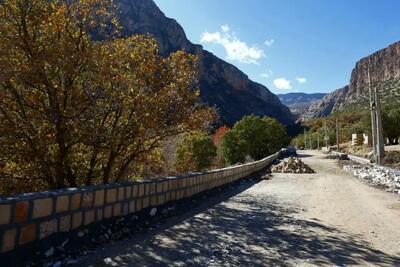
324, 219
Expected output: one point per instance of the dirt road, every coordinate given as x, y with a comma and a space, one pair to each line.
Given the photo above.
323, 219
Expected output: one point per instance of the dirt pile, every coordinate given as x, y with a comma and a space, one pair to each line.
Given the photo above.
292, 165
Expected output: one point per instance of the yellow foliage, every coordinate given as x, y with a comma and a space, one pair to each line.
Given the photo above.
75, 111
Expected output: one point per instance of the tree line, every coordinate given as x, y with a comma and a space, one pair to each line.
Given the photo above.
350, 122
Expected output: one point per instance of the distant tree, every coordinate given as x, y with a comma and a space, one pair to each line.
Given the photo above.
255, 137
391, 124
75, 111
195, 152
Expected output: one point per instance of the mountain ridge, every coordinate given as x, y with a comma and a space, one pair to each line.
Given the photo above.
299, 102
222, 84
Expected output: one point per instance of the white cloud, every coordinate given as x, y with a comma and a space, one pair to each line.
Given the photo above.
235, 48
269, 43
282, 84
208, 37
266, 74
301, 80
225, 28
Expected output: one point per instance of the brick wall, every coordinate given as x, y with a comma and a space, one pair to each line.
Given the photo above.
35, 216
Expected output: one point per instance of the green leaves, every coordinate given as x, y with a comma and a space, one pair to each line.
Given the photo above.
255, 137
195, 152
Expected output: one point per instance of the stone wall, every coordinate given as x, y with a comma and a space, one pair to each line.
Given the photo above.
33, 217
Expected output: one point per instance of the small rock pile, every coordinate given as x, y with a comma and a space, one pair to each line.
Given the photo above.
378, 176
339, 157
292, 165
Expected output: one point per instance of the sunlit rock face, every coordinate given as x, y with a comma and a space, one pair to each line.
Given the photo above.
222, 84
384, 69
298, 103
328, 104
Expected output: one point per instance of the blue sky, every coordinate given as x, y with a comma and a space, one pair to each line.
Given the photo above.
290, 45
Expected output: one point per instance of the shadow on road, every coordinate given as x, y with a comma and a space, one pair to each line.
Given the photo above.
302, 155
244, 230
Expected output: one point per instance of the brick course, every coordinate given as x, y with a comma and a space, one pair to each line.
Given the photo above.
35, 216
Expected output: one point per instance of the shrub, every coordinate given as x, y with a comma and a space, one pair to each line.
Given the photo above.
219, 133
195, 152
233, 147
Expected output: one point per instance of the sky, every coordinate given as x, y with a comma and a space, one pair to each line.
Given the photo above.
290, 45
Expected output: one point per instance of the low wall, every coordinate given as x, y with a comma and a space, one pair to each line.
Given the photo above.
358, 159
32, 217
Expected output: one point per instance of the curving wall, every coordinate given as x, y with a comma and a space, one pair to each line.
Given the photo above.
35, 216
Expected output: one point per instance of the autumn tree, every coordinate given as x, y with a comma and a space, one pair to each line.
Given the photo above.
77, 111
219, 133
195, 152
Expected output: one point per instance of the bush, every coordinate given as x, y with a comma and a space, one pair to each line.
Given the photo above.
195, 152
219, 133
255, 137
233, 147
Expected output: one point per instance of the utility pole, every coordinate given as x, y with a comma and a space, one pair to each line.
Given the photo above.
379, 135
373, 117
305, 139
309, 136
318, 140
337, 135
376, 122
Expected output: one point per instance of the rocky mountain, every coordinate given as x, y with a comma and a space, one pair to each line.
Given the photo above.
384, 69
299, 102
328, 104
222, 85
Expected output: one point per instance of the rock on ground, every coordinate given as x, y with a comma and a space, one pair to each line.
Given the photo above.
292, 165
378, 176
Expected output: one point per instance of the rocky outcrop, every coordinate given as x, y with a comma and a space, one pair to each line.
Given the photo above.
384, 69
383, 65
328, 104
298, 103
222, 85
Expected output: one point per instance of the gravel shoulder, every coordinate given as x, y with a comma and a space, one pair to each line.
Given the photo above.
322, 219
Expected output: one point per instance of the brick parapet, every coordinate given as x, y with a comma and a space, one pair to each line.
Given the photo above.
34, 216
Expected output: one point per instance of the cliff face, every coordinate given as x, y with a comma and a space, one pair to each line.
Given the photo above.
221, 84
384, 69
384, 65
328, 104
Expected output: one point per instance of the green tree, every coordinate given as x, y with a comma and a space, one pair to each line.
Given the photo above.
195, 152
233, 147
255, 137
391, 124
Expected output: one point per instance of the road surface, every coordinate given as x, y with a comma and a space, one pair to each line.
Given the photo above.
324, 219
